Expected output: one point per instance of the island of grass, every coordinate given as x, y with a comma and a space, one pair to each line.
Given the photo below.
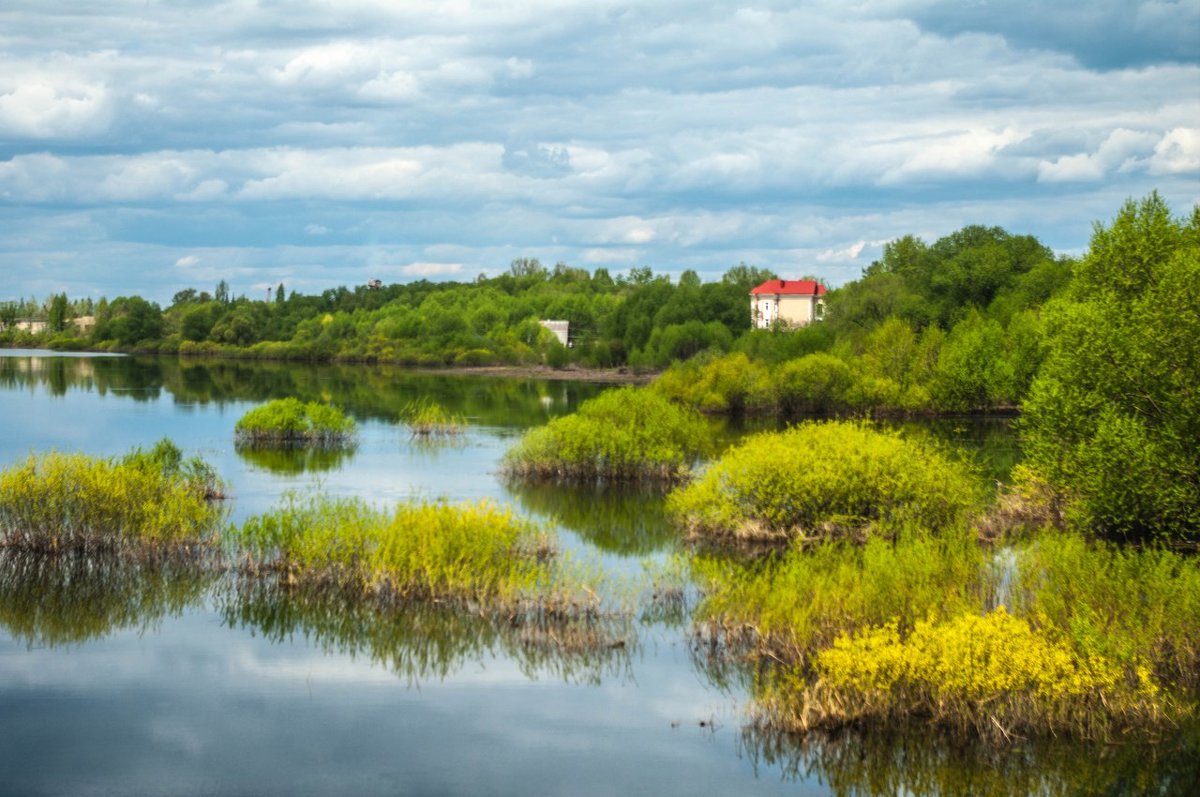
426, 420
471, 553
823, 480
623, 435
147, 501
289, 422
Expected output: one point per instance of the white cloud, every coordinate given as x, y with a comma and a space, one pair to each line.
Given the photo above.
46, 110
430, 269
187, 261
1177, 153
1121, 151
850, 252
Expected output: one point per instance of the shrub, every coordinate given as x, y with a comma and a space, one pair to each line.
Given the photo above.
994, 675
70, 501
820, 480
289, 421
625, 434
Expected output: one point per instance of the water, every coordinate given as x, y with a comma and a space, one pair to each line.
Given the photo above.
125, 679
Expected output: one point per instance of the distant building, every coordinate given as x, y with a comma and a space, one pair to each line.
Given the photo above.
796, 303
561, 330
84, 322
32, 326
374, 284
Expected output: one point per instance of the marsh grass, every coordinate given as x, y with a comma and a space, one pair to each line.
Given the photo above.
142, 503
290, 422
822, 481
428, 420
473, 553
625, 435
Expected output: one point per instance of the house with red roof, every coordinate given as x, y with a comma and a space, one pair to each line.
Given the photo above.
795, 303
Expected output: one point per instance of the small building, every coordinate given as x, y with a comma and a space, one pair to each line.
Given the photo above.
561, 330
374, 284
796, 303
31, 325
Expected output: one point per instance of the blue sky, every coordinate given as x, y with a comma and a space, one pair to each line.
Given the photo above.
151, 146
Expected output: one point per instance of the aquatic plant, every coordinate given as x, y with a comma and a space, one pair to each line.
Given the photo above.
146, 501
992, 675
474, 552
290, 422
789, 606
623, 435
821, 481
426, 418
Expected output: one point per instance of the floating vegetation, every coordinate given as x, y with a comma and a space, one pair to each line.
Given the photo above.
623, 435
71, 597
426, 419
145, 502
470, 552
290, 422
820, 481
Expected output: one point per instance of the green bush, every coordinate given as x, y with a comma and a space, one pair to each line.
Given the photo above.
74, 502
818, 480
289, 421
625, 434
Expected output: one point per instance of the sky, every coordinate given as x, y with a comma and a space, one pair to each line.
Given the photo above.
147, 147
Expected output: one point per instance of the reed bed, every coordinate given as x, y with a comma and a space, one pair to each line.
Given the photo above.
290, 422
144, 503
428, 420
822, 481
625, 435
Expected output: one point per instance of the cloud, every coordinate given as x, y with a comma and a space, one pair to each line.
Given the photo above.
41, 109
1122, 150
187, 261
1177, 153
430, 269
850, 252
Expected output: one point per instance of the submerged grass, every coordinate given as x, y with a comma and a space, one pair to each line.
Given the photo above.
824, 480
291, 422
623, 435
144, 502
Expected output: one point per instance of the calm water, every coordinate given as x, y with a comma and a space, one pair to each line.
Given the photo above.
120, 679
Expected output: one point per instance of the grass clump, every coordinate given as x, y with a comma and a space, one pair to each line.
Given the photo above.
145, 501
991, 675
427, 419
474, 552
291, 422
821, 481
623, 435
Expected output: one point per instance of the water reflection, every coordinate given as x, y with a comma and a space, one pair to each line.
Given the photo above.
423, 641
69, 598
916, 762
621, 521
296, 459
368, 392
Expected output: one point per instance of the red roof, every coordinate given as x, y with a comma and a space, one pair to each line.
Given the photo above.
791, 288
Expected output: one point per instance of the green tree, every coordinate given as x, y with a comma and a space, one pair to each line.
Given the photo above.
1113, 418
56, 316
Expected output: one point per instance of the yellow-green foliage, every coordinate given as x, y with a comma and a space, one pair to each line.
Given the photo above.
468, 550
292, 422
794, 604
825, 479
71, 501
427, 418
1138, 607
729, 384
625, 434
994, 674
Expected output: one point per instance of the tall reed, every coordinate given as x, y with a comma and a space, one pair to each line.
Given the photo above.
56, 501
427, 419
